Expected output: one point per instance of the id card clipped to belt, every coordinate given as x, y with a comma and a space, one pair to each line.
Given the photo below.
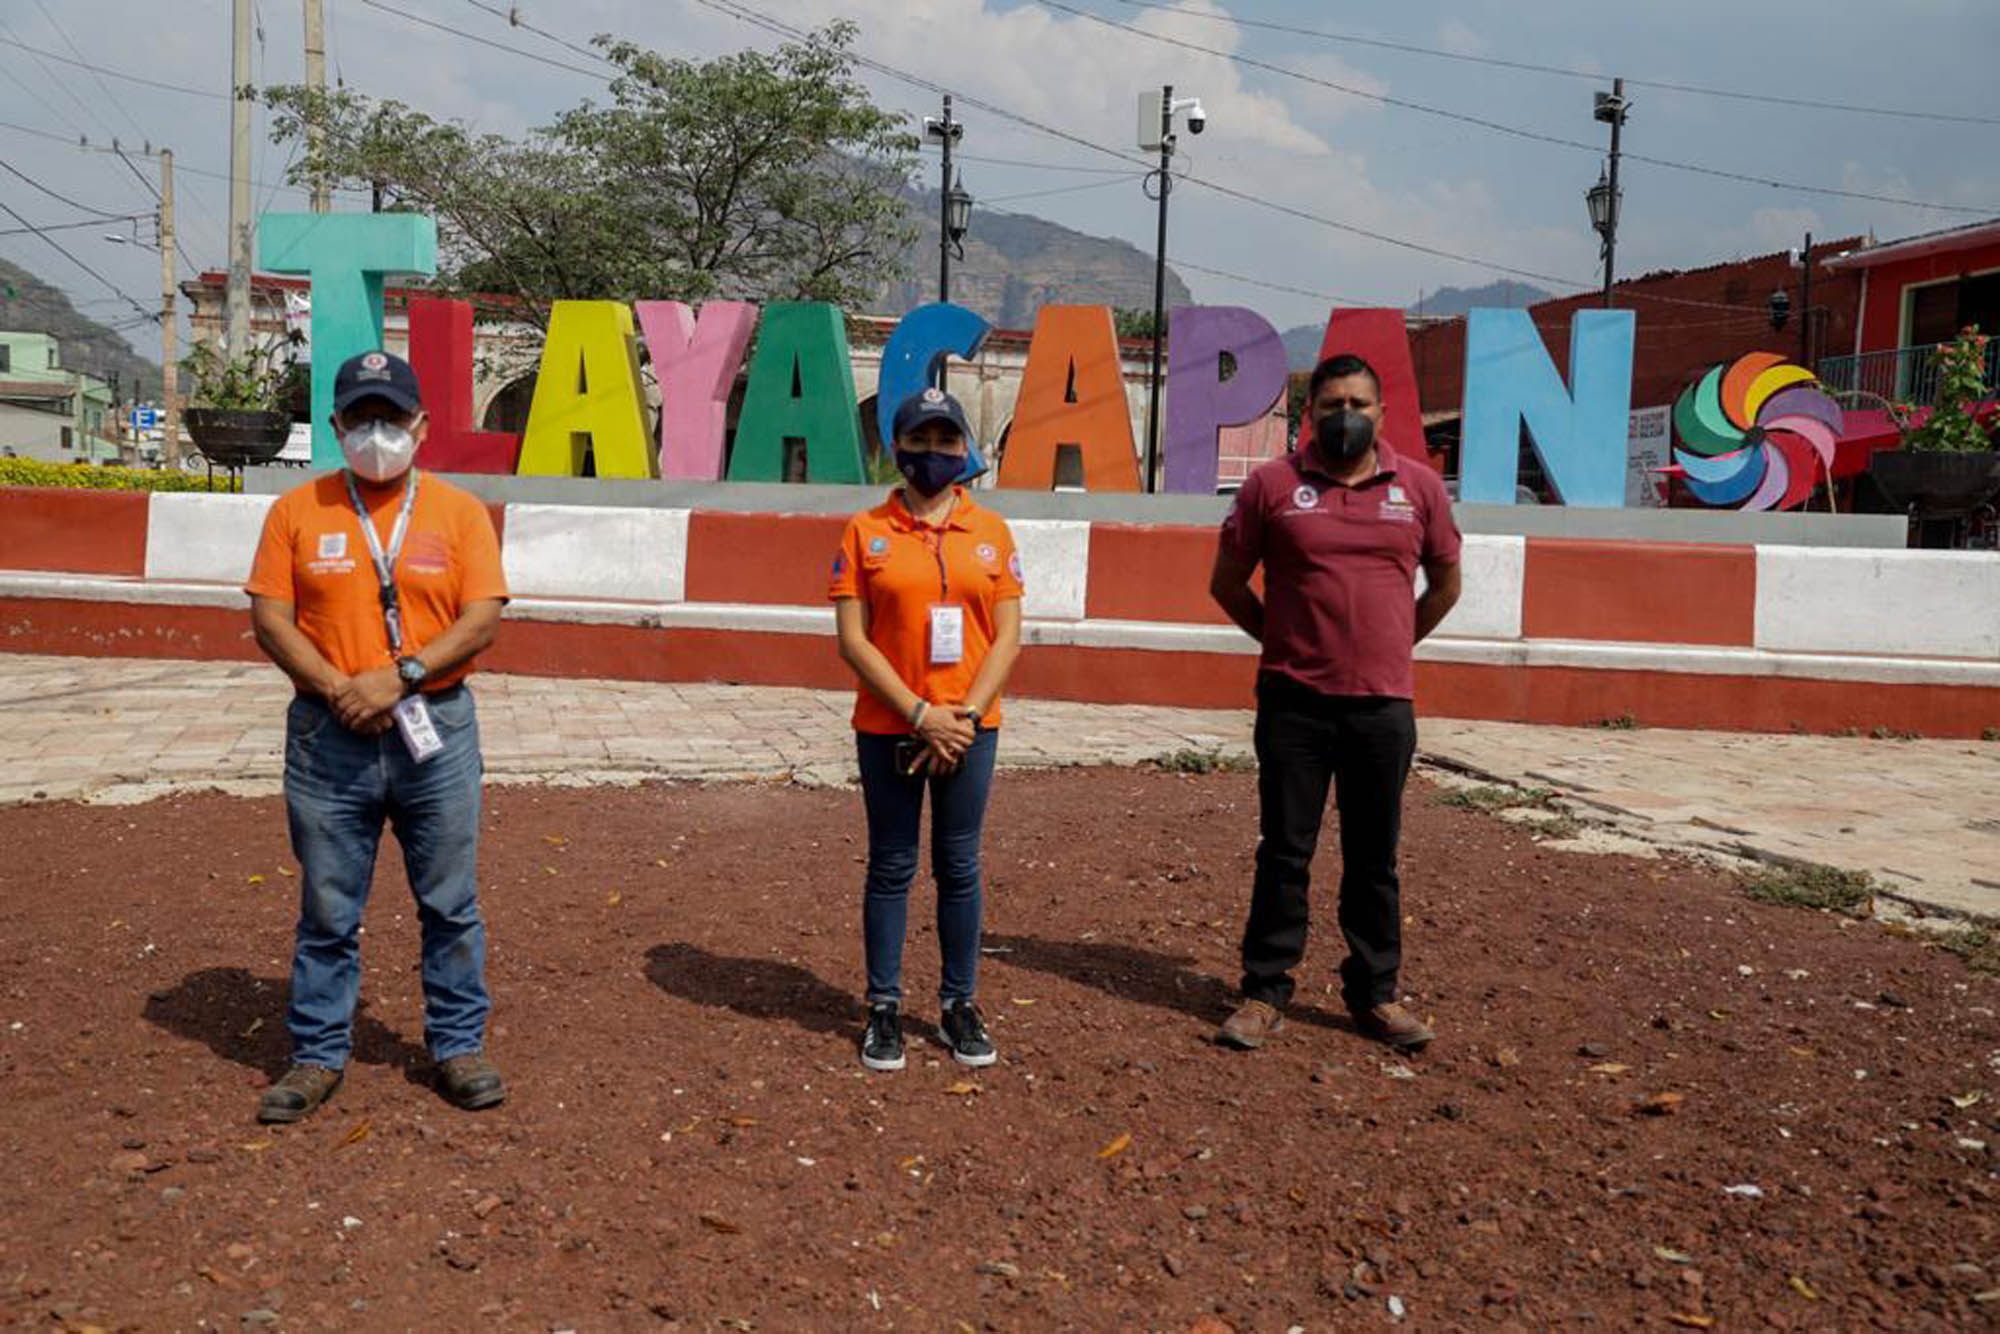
420, 734
947, 635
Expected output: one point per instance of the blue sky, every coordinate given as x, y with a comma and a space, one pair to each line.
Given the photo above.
1434, 182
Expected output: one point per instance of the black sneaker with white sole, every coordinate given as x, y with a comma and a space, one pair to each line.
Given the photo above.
882, 1043
961, 1030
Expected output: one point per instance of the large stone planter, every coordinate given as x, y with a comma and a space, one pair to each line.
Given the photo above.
237, 437
1932, 485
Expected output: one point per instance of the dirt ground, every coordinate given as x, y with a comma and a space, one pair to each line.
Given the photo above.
691, 1143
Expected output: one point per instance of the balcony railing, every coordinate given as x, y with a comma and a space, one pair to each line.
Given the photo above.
1903, 375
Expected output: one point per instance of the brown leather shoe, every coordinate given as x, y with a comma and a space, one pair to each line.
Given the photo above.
471, 1082
1394, 1025
1253, 1022
297, 1094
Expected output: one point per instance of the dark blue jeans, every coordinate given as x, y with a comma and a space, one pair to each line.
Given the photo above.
895, 812
340, 787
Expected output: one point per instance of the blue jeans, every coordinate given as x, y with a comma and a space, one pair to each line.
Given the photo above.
895, 806
340, 787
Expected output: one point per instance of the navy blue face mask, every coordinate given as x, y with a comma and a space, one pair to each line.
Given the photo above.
928, 471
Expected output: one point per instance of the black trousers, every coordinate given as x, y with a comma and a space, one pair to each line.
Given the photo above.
1362, 746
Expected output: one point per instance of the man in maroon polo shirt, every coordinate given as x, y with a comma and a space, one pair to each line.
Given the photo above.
1340, 527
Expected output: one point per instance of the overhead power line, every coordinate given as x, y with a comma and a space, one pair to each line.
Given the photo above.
408, 17
60, 249
1039, 166
109, 96
115, 73
1126, 178
1501, 127
744, 13
37, 228
1531, 67
30, 181
512, 14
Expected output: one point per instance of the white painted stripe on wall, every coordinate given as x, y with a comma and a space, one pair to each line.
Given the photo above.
195, 535
625, 554
1494, 570
1934, 604
1055, 564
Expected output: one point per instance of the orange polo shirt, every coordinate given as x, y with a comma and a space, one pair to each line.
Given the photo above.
312, 555
900, 567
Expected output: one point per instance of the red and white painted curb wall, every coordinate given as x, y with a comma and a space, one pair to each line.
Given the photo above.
1746, 637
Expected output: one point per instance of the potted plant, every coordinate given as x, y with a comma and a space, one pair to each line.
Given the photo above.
1947, 467
239, 406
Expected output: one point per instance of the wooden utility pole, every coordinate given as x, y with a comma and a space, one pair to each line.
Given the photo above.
240, 222
170, 407
316, 86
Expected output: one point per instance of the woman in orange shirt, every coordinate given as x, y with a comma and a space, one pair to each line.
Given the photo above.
927, 601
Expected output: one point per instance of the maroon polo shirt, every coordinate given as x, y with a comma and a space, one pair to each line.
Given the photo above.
1340, 568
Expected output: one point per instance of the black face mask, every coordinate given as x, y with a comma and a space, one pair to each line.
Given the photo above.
1344, 435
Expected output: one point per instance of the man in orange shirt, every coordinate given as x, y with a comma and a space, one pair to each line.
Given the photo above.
373, 589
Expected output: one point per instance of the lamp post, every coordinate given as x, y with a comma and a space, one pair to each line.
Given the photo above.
1604, 198
954, 205
1156, 131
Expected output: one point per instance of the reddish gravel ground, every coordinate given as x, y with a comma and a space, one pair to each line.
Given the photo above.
690, 1142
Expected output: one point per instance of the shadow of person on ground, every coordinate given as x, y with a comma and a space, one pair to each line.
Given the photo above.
220, 1007
753, 988
1166, 981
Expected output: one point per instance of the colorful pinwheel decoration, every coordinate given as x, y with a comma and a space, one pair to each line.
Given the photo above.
1759, 431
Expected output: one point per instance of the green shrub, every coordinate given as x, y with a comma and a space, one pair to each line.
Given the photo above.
1495, 797
1212, 761
35, 472
1828, 887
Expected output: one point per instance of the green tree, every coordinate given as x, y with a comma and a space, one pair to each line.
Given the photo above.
756, 176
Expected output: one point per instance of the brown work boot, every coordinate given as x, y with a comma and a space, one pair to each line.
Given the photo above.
1253, 1022
297, 1094
1394, 1025
471, 1082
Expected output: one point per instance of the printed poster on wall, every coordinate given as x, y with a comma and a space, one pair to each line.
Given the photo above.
1646, 448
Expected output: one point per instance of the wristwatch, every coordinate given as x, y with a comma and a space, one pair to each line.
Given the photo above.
412, 671
972, 716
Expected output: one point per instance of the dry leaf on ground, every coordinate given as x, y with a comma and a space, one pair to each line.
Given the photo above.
1116, 1146
717, 1223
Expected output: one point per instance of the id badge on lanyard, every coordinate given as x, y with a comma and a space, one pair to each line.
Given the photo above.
947, 630
413, 715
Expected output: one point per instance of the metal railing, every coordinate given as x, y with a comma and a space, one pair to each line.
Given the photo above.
1902, 375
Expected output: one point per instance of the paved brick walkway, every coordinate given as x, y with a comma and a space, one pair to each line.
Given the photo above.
1921, 815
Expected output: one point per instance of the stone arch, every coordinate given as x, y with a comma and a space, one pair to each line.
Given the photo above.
507, 410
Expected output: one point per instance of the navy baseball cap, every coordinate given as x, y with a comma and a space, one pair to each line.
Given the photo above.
376, 375
931, 404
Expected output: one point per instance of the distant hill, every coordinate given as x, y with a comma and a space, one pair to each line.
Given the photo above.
1458, 300
1015, 264
29, 305
1302, 341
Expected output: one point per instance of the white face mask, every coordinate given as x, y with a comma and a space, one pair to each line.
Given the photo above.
379, 451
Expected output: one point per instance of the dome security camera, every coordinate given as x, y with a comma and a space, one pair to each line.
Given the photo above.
1197, 118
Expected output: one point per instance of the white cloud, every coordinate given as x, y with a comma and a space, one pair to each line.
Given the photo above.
1456, 37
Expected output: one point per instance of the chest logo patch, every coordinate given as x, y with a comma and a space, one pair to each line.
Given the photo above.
1396, 496
332, 546
878, 546
986, 553
1305, 498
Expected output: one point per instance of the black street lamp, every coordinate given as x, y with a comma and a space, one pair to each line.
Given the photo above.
1605, 197
1781, 308
957, 215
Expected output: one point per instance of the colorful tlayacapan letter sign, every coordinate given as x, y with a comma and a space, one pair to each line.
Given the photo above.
589, 399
